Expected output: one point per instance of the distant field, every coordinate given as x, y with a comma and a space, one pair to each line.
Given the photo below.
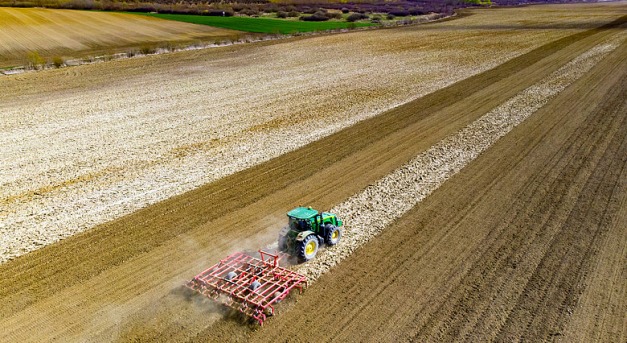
258, 25
69, 33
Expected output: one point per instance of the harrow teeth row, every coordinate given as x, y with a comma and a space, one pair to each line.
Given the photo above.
248, 284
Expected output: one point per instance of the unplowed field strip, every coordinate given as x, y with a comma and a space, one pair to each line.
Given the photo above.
71, 33
502, 251
102, 282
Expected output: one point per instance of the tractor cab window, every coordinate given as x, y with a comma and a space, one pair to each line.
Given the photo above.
293, 223
299, 224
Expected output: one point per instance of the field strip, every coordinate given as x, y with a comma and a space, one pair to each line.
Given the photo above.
34, 214
63, 33
71, 160
371, 211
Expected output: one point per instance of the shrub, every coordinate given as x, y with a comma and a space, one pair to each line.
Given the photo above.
167, 46
250, 12
35, 60
345, 10
147, 49
318, 16
399, 12
356, 16
416, 11
131, 53
390, 16
271, 8
293, 14
58, 61
281, 14
334, 15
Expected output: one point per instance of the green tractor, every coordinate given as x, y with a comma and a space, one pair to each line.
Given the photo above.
307, 230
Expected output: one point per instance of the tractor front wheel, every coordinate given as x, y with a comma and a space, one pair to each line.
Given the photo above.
308, 248
333, 235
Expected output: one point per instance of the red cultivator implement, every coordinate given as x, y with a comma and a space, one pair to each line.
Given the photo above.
248, 284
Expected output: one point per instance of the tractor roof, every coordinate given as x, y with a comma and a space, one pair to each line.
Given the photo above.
302, 212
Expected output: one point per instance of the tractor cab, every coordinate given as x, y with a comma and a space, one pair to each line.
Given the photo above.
302, 219
307, 229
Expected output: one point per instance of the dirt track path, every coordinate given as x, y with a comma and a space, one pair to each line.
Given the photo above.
110, 282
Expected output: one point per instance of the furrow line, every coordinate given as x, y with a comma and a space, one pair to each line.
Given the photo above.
371, 211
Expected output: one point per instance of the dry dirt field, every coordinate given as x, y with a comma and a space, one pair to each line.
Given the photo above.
68, 33
85, 145
525, 242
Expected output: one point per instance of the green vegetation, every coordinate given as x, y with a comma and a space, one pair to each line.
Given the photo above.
58, 61
479, 2
258, 25
35, 61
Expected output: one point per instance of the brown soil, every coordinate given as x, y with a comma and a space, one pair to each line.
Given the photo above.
73, 34
503, 251
508, 250
86, 145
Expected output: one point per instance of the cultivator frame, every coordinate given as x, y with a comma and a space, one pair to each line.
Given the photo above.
248, 284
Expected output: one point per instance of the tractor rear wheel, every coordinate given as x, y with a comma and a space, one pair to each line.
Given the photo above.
308, 248
333, 235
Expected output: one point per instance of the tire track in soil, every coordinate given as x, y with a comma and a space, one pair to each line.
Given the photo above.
572, 248
599, 314
569, 166
141, 241
541, 200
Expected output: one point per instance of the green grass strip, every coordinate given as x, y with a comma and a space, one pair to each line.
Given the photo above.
258, 25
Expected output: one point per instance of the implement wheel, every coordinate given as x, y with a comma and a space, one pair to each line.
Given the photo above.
308, 248
333, 234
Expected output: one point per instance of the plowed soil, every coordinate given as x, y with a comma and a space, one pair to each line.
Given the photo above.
514, 248
69, 33
85, 145
508, 249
